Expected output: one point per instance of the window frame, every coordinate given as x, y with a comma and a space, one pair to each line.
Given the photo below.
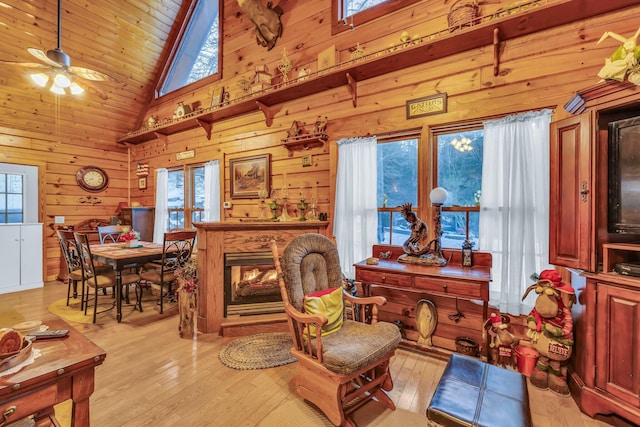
175, 46
340, 23
188, 171
420, 209
4, 217
434, 132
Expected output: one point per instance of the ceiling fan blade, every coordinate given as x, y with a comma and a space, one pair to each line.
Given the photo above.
25, 64
43, 57
94, 75
95, 89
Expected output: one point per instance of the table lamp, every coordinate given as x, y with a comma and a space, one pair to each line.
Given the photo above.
438, 196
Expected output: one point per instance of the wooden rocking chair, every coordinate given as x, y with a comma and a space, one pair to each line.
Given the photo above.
341, 370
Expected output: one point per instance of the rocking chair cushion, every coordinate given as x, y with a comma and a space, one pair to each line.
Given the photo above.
357, 345
328, 302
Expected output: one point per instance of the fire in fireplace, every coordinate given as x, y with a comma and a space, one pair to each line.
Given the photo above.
250, 284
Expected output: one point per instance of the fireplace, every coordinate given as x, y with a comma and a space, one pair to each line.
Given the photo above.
250, 284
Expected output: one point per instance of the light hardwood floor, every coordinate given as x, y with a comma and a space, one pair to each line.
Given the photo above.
152, 377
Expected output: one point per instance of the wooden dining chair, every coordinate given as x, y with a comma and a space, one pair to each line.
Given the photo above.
177, 249
94, 278
111, 233
74, 266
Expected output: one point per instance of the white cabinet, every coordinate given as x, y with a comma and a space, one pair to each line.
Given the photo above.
20, 257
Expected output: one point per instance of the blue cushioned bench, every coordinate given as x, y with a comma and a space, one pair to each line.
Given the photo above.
474, 393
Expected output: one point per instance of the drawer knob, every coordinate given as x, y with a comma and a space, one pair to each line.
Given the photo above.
444, 286
5, 417
15, 387
60, 371
384, 278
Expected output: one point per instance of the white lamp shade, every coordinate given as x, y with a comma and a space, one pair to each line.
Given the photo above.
438, 195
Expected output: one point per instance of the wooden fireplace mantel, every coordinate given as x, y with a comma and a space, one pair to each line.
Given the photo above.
217, 238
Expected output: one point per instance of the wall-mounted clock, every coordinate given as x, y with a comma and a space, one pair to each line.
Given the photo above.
92, 178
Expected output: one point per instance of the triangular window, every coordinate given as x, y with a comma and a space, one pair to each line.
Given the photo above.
198, 54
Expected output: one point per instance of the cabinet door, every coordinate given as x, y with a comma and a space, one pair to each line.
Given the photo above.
31, 256
9, 258
617, 342
571, 194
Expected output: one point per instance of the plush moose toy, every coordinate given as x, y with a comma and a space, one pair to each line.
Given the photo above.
551, 330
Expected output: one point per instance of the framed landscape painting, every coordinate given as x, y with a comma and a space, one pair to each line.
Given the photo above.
249, 175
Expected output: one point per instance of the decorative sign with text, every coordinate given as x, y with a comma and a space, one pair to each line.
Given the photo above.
183, 155
420, 107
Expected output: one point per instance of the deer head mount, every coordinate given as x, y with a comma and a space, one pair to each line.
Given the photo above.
266, 19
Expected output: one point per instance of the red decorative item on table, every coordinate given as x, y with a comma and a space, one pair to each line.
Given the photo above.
131, 238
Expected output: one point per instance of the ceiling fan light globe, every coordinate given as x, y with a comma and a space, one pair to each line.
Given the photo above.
41, 79
57, 89
75, 89
62, 80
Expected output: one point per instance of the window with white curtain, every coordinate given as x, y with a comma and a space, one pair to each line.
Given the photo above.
185, 196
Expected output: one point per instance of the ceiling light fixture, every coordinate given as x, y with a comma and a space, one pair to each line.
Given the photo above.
59, 83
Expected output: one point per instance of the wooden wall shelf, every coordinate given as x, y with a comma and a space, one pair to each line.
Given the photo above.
434, 46
305, 142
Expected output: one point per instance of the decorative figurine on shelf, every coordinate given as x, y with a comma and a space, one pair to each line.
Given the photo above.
182, 110
320, 125
313, 214
262, 194
551, 330
266, 19
415, 253
467, 253
358, 53
625, 59
284, 216
302, 205
274, 206
284, 66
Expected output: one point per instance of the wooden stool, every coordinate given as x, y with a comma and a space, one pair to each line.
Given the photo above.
474, 393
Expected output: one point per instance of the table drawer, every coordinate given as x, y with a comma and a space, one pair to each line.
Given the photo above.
449, 287
29, 403
380, 277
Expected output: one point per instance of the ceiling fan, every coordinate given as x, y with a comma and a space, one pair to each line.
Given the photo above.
58, 75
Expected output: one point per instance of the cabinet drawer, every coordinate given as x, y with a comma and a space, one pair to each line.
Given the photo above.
449, 287
29, 403
383, 278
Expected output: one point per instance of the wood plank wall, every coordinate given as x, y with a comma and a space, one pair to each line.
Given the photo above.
536, 71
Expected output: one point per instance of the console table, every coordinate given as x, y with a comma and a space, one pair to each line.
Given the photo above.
453, 289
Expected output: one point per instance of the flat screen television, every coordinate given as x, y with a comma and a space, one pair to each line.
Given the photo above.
624, 176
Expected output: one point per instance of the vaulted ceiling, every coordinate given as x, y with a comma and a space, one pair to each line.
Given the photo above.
122, 38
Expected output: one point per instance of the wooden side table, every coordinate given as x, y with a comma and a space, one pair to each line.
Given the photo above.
65, 370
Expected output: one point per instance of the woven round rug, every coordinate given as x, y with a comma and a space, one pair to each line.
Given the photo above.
258, 351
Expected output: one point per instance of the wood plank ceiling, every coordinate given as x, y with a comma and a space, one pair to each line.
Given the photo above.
123, 38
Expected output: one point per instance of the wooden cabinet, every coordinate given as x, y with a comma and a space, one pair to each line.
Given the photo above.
571, 194
141, 219
605, 380
453, 289
20, 257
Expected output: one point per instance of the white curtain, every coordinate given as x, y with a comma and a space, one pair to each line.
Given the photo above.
514, 215
212, 191
356, 211
162, 205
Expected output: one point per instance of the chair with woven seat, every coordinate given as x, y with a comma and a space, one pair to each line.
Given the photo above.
177, 249
343, 352
95, 278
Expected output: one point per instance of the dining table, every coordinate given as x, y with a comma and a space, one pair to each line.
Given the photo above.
120, 256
